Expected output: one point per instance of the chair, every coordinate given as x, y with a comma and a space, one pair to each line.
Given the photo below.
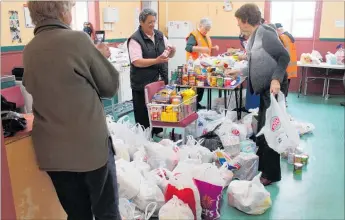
150, 90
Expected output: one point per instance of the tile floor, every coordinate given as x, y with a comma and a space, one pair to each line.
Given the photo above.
319, 192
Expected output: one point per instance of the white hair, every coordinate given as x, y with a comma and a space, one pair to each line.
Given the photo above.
206, 23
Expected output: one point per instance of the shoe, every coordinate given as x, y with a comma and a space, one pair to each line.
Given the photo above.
160, 134
265, 181
200, 106
342, 103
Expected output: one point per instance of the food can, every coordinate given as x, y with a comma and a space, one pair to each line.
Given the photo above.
284, 155
298, 158
220, 81
305, 159
297, 169
185, 79
176, 100
192, 79
291, 157
227, 82
213, 81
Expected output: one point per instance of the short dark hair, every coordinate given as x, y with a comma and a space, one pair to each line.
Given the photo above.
249, 13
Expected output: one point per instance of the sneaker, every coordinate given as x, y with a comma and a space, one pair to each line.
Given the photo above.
200, 106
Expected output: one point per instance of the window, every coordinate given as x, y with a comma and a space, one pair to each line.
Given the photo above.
80, 14
296, 17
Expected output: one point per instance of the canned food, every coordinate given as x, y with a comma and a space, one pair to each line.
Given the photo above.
220, 81
227, 82
213, 81
185, 79
305, 159
291, 157
298, 158
297, 168
192, 79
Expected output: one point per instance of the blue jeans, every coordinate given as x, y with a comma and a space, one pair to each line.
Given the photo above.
89, 195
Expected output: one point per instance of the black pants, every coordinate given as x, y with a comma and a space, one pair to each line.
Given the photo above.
287, 92
269, 160
200, 93
140, 110
85, 195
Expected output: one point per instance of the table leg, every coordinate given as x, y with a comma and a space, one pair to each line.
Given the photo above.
225, 99
305, 81
300, 82
326, 88
210, 98
219, 93
237, 107
240, 107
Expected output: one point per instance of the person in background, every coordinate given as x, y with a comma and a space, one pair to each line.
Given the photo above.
66, 75
266, 70
198, 43
289, 43
148, 63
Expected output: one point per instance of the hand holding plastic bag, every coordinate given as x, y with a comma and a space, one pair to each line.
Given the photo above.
279, 132
250, 197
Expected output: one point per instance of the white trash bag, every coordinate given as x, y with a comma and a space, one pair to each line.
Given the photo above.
175, 209
279, 132
250, 197
159, 156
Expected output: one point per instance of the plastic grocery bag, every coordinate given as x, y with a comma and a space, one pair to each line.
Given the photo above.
197, 151
199, 129
160, 177
279, 132
128, 210
340, 56
121, 149
226, 174
128, 178
175, 209
210, 183
250, 197
148, 193
183, 187
141, 166
248, 166
159, 156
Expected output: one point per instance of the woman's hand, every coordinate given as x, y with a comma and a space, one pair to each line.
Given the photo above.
275, 87
231, 72
162, 59
216, 47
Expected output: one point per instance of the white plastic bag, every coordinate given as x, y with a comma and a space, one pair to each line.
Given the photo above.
148, 193
160, 177
250, 197
248, 166
159, 156
175, 209
127, 179
199, 129
196, 151
121, 150
177, 186
141, 166
226, 174
231, 145
331, 58
279, 132
340, 56
128, 210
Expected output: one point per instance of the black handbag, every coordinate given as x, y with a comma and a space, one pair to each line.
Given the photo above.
6, 105
12, 122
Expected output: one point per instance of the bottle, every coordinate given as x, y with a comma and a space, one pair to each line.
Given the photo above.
190, 64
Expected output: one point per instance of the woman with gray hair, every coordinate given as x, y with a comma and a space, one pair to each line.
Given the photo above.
146, 49
66, 75
198, 43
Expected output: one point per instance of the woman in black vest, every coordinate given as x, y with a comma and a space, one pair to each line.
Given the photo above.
148, 65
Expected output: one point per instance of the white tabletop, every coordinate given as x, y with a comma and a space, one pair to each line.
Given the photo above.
321, 65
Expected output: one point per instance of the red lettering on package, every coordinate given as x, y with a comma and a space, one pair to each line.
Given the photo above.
275, 123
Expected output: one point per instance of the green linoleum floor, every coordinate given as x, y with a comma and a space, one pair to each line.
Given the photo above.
319, 192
